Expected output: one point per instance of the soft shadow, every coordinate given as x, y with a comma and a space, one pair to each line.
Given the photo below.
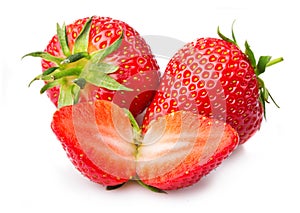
240, 150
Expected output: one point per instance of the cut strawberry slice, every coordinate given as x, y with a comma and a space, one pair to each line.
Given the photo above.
98, 139
106, 145
180, 148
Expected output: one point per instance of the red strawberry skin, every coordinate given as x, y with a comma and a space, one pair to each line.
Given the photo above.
211, 77
138, 69
89, 137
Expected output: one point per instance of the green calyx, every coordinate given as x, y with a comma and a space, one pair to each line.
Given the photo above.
259, 68
78, 68
151, 188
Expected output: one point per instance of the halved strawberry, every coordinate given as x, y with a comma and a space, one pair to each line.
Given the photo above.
99, 58
106, 145
98, 140
180, 148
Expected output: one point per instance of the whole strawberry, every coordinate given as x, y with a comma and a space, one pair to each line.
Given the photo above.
215, 78
99, 58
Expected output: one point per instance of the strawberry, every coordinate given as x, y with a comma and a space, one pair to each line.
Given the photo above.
98, 58
213, 77
99, 149
187, 148
106, 145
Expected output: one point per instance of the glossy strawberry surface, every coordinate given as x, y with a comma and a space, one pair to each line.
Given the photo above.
130, 63
211, 77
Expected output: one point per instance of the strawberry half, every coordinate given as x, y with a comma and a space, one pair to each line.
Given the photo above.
213, 77
98, 58
106, 145
98, 139
180, 148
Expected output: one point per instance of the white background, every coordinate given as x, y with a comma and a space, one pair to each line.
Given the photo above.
36, 176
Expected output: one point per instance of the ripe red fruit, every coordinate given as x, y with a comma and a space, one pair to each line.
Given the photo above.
106, 145
213, 77
187, 148
99, 58
99, 149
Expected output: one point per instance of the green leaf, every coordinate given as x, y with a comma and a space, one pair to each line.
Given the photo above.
82, 42
262, 64
264, 95
75, 92
250, 55
224, 37
35, 79
232, 33
52, 75
133, 122
100, 79
49, 71
46, 56
232, 40
103, 67
98, 56
136, 128
75, 57
273, 100
151, 188
263, 102
63, 39
65, 97
45, 73
68, 95
68, 72
50, 85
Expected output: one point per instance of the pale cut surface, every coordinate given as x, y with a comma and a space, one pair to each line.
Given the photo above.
177, 143
104, 133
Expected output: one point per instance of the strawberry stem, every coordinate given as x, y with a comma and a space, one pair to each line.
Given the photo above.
274, 61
